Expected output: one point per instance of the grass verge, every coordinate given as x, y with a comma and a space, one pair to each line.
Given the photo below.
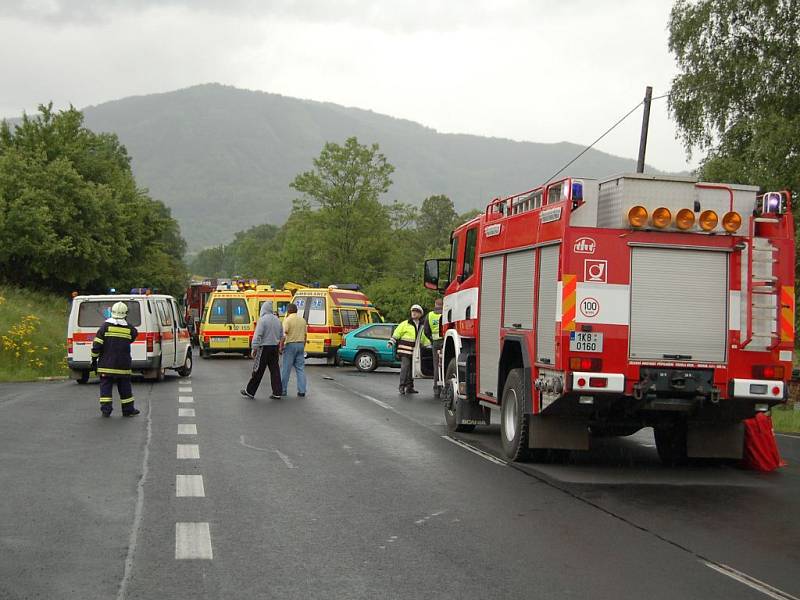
785, 419
33, 331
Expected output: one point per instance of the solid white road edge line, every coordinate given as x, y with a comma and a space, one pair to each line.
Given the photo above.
749, 581
374, 401
475, 450
139, 508
193, 541
189, 486
185, 412
188, 451
185, 399
187, 429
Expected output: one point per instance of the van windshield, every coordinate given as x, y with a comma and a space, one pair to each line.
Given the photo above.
93, 313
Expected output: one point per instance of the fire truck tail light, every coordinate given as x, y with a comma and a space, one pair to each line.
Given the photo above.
731, 222
661, 217
598, 382
582, 363
776, 390
708, 220
768, 372
637, 216
582, 382
684, 219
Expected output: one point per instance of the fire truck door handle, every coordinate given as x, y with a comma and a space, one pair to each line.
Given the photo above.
516, 325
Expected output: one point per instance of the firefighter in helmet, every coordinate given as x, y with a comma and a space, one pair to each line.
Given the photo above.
404, 337
111, 358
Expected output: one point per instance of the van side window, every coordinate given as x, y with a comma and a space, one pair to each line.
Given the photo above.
349, 318
179, 316
166, 314
337, 319
469, 252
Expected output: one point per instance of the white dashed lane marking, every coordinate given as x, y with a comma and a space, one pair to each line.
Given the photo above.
188, 451
189, 486
187, 429
185, 399
184, 390
193, 541
185, 412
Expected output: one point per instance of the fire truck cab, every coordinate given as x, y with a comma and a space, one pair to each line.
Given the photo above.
588, 307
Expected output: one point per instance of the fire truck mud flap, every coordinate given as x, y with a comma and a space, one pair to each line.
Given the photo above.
716, 440
558, 433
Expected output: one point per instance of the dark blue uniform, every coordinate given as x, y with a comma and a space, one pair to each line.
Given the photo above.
112, 350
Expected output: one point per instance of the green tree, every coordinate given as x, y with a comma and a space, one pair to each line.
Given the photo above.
737, 96
436, 221
350, 230
71, 215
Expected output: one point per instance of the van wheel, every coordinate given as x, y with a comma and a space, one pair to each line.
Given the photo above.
84, 377
366, 362
449, 400
186, 369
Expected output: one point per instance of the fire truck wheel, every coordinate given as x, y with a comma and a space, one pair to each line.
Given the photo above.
513, 420
449, 400
671, 443
366, 361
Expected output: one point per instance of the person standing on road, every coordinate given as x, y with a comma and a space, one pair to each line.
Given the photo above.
404, 338
295, 330
111, 358
267, 343
432, 330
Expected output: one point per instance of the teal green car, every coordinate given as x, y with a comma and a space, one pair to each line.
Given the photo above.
368, 347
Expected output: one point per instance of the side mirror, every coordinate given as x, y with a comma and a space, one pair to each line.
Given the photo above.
436, 273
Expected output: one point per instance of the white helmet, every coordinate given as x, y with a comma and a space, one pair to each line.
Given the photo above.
119, 310
417, 307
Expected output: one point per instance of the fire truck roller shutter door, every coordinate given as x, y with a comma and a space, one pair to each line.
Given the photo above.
547, 304
518, 309
489, 306
679, 304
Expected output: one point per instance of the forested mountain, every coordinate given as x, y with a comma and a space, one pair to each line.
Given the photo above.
222, 158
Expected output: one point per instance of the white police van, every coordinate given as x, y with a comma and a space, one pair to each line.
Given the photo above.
162, 343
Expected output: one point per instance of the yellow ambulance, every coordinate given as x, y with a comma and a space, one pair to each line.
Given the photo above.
330, 313
256, 297
227, 324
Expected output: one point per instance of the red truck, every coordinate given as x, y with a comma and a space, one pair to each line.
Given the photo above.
587, 307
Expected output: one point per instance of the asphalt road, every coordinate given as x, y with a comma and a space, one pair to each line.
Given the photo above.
356, 492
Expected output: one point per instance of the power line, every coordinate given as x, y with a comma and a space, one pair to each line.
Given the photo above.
609, 130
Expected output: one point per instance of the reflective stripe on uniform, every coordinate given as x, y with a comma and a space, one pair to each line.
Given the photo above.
126, 400
113, 329
105, 400
107, 371
98, 340
124, 336
95, 355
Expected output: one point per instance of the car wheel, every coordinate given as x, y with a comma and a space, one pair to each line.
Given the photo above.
449, 400
366, 362
186, 369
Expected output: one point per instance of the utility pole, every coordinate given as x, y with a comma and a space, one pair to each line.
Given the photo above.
648, 97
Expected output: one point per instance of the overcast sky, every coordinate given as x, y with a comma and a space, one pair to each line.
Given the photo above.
535, 70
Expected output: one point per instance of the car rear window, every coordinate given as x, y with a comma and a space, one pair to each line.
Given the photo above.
92, 313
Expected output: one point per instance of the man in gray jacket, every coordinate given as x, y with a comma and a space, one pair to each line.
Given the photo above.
267, 342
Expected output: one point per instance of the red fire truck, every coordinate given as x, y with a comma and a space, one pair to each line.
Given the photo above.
588, 307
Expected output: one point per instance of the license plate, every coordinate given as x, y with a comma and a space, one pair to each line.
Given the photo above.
219, 338
585, 341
